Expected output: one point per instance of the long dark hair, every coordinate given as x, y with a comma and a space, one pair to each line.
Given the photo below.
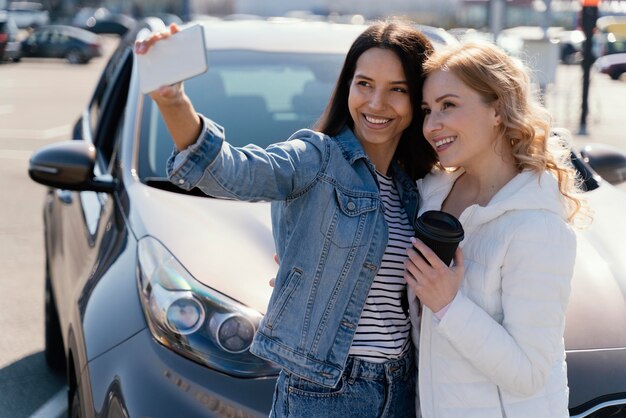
413, 154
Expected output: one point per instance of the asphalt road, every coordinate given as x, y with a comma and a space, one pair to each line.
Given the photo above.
39, 102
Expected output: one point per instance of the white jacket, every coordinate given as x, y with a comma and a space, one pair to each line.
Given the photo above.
498, 351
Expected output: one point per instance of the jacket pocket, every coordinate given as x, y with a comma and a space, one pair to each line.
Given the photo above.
286, 291
345, 217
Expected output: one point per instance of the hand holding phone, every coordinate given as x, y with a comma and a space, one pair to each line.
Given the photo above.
172, 58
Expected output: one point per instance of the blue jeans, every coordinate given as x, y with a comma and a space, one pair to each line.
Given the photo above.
365, 390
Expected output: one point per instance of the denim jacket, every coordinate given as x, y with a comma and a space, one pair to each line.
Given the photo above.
329, 231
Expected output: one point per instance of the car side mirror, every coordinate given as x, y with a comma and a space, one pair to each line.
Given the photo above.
68, 165
608, 161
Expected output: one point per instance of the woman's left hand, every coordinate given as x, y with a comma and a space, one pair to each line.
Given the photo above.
273, 279
434, 283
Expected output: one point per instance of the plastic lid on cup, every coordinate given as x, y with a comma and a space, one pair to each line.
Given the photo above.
440, 226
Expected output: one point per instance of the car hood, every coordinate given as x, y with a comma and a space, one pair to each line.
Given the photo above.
228, 246
224, 244
596, 315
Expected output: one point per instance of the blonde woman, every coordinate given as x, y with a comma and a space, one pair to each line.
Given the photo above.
489, 329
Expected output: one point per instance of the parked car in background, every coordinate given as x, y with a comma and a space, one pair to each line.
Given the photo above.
437, 35
169, 18
112, 23
85, 13
101, 21
147, 317
471, 35
10, 46
76, 45
613, 65
28, 14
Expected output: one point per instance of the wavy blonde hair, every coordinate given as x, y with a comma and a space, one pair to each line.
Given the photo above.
505, 83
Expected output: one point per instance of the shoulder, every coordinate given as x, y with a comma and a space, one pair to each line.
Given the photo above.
303, 145
310, 137
536, 222
537, 233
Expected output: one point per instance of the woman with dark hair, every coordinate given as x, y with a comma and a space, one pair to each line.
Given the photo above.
413, 154
343, 213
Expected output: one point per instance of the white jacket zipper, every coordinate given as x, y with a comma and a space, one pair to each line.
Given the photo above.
501, 402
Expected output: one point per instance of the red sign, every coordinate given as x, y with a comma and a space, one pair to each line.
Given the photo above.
590, 3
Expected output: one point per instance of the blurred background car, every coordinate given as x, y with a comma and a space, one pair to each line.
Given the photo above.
112, 23
142, 316
169, 18
147, 317
85, 13
10, 46
614, 65
438, 36
76, 45
471, 35
101, 21
28, 14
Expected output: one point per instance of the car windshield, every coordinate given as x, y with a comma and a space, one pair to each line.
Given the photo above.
258, 97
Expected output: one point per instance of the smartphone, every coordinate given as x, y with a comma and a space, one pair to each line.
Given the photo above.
177, 58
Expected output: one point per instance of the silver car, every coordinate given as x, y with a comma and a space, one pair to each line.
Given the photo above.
153, 293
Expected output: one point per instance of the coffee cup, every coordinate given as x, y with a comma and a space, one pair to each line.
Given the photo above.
441, 232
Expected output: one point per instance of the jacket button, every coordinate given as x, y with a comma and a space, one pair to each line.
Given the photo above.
351, 205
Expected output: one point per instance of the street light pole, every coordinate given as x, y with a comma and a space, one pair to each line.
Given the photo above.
588, 20
496, 16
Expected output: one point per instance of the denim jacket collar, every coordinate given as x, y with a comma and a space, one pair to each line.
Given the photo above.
350, 145
353, 150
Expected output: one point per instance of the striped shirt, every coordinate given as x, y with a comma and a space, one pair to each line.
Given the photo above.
384, 328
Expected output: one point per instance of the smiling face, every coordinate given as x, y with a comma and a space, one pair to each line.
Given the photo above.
458, 124
379, 103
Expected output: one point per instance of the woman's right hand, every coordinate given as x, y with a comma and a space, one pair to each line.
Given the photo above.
434, 283
164, 95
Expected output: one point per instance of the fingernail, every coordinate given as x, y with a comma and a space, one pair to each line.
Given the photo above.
413, 240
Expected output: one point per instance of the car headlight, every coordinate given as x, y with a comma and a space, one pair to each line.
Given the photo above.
194, 320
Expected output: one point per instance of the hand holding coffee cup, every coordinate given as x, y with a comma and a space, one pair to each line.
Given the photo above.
441, 232
435, 283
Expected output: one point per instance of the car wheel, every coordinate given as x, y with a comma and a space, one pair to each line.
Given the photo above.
74, 56
54, 352
615, 75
